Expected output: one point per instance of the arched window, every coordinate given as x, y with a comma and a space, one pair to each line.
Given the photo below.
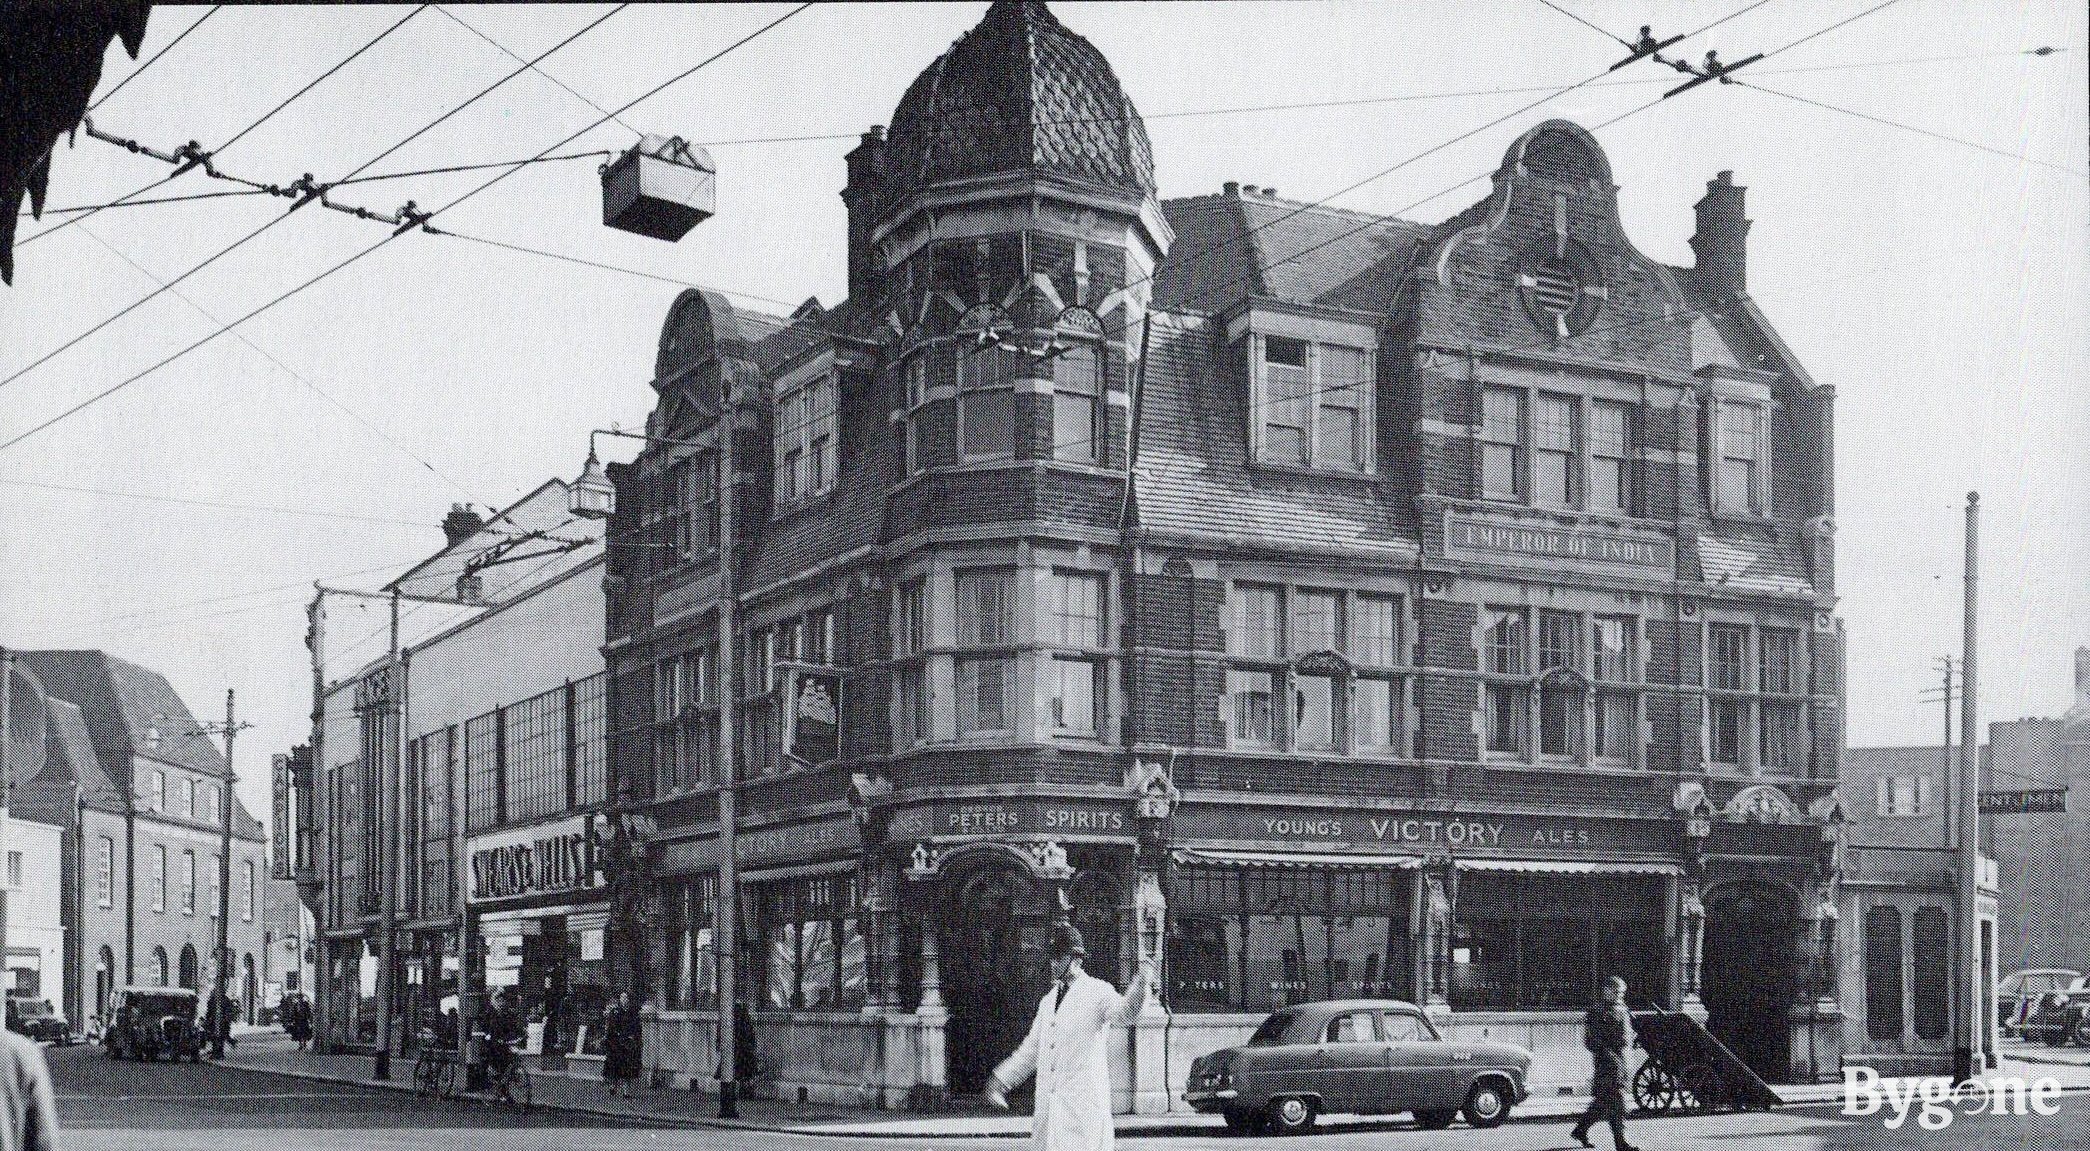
188, 966
159, 966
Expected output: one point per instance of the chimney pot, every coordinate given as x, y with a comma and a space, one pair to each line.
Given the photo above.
461, 524
1231, 187
1721, 242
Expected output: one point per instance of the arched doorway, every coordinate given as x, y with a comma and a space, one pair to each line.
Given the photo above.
1748, 973
159, 966
188, 966
991, 979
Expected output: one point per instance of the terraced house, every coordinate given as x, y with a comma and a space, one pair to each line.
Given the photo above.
1338, 605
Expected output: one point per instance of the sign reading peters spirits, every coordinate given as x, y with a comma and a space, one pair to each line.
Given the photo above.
1067, 818
539, 860
1478, 538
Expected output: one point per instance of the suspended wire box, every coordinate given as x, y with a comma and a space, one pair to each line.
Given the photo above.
661, 188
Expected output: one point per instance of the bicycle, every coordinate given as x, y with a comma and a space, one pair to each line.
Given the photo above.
511, 1084
435, 1072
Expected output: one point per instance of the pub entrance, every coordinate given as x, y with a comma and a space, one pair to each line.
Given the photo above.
1749, 971
992, 969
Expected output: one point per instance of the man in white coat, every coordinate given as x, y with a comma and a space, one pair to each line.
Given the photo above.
1067, 1048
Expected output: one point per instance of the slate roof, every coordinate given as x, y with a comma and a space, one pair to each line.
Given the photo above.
1229, 247
544, 509
1192, 474
71, 757
1019, 91
1760, 563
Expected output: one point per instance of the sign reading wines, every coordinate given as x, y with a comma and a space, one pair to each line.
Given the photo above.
546, 858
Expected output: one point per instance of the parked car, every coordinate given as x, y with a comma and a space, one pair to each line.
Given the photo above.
38, 1020
1358, 1056
2019, 991
147, 1022
2059, 1016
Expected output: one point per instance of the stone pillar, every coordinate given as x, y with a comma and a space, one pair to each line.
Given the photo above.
1693, 952
931, 1079
1149, 1038
1433, 892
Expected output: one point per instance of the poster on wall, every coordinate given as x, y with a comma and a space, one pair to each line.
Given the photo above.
813, 715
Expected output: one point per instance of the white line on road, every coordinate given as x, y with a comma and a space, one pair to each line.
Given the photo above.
196, 1095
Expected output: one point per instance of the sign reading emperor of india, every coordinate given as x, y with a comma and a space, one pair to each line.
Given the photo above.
542, 859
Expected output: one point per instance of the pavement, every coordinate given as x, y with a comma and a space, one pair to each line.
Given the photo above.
274, 1054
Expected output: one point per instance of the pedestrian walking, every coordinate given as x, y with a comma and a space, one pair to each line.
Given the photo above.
1066, 1050
1607, 1030
217, 1022
28, 1110
622, 1041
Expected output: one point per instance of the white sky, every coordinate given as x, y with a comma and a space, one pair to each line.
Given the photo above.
1940, 289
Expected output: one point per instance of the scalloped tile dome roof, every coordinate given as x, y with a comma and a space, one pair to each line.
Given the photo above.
1018, 91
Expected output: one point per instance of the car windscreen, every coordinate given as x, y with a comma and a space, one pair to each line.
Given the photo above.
163, 1005
33, 1007
1271, 1033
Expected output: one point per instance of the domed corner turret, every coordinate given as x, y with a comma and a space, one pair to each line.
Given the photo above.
1018, 93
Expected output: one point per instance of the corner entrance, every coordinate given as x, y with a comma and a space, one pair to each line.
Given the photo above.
1748, 974
991, 979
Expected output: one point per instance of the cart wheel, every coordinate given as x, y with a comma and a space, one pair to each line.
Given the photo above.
1654, 1089
1699, 1088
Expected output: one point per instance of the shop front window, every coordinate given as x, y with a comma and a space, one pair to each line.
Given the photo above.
811, 949
1256, 939
1544, 942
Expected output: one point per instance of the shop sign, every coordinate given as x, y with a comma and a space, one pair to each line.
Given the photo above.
795, 841
995, 817
813, 719
1489, 539
2037, 801
1422, 832
279, 817
539, 860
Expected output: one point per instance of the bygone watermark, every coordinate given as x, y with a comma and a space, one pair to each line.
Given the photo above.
1937, 1101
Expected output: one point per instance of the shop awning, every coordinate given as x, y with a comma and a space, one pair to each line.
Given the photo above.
1218, 855
829, 867
1572, 866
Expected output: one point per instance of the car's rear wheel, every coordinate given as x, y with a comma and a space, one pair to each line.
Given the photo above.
1241, 1122
1291, 1115
1435, 1119
2082, 1029
1487, 1103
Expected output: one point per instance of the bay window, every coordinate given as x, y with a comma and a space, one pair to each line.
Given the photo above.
910, 673
917, 374
1073, 674
985, 614
1312, 403
986, 401
1077, 394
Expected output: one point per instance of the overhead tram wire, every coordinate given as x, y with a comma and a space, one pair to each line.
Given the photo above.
128, 202
563, 86
281, 297
1913, 128
607, 267
369, 425
218, 505
264, 118
313, 193
220, 253
155, 57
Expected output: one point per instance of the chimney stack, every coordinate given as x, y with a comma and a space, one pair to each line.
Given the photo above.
2082, 675
1722, 239
461, 524
866, 174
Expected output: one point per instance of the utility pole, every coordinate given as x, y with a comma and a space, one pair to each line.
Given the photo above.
729, 718
1966, 1025
394, 745
226, 801
7, 788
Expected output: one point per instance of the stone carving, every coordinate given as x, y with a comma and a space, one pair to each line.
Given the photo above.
1762, 803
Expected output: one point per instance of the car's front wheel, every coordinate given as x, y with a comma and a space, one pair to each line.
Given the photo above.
1487, 1104
1291, 1115
1435, 1119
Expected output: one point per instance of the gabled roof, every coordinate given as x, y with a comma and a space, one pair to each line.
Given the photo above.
543, 510
70, 758
1231, 247
122, 704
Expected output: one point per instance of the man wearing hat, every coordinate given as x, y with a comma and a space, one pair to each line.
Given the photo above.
1066, 1050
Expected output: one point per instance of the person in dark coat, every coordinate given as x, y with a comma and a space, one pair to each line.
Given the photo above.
621, 1044
1608, 1033
217, 1022
28, 1107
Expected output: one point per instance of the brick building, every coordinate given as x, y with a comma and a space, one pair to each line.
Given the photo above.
137, 797
2043, 858
1339, 605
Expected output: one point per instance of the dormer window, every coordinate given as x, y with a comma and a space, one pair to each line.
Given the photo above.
1310, 403
1738, 457
805, 440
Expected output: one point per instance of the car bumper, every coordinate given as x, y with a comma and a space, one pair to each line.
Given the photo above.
1209, 1101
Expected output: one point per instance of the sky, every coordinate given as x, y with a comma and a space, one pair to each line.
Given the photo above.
1940, 286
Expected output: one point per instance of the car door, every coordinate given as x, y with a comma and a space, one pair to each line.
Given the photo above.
1349, 1064
1424, 1072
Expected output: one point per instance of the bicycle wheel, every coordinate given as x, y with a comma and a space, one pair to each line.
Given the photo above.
424, 1076
519, 1089
446, 1080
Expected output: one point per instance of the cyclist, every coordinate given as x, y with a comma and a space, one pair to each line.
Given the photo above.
503, 1032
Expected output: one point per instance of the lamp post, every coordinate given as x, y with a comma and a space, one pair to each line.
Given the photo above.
1966, 1025
230, 728
594, 497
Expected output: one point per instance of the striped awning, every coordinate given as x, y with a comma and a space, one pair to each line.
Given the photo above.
1573, 866
1216, 855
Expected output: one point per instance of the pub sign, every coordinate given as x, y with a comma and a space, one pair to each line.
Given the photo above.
813, 714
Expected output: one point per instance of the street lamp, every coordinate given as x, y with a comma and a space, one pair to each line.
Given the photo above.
593, 496
229, 729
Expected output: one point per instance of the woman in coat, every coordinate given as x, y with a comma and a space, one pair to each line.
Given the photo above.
1066, 1049
621, 1044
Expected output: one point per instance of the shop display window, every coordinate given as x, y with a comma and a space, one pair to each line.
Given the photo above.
1544, 942
810, 952
1257, 939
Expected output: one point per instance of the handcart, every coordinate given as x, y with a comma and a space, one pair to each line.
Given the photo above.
1687, 1069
